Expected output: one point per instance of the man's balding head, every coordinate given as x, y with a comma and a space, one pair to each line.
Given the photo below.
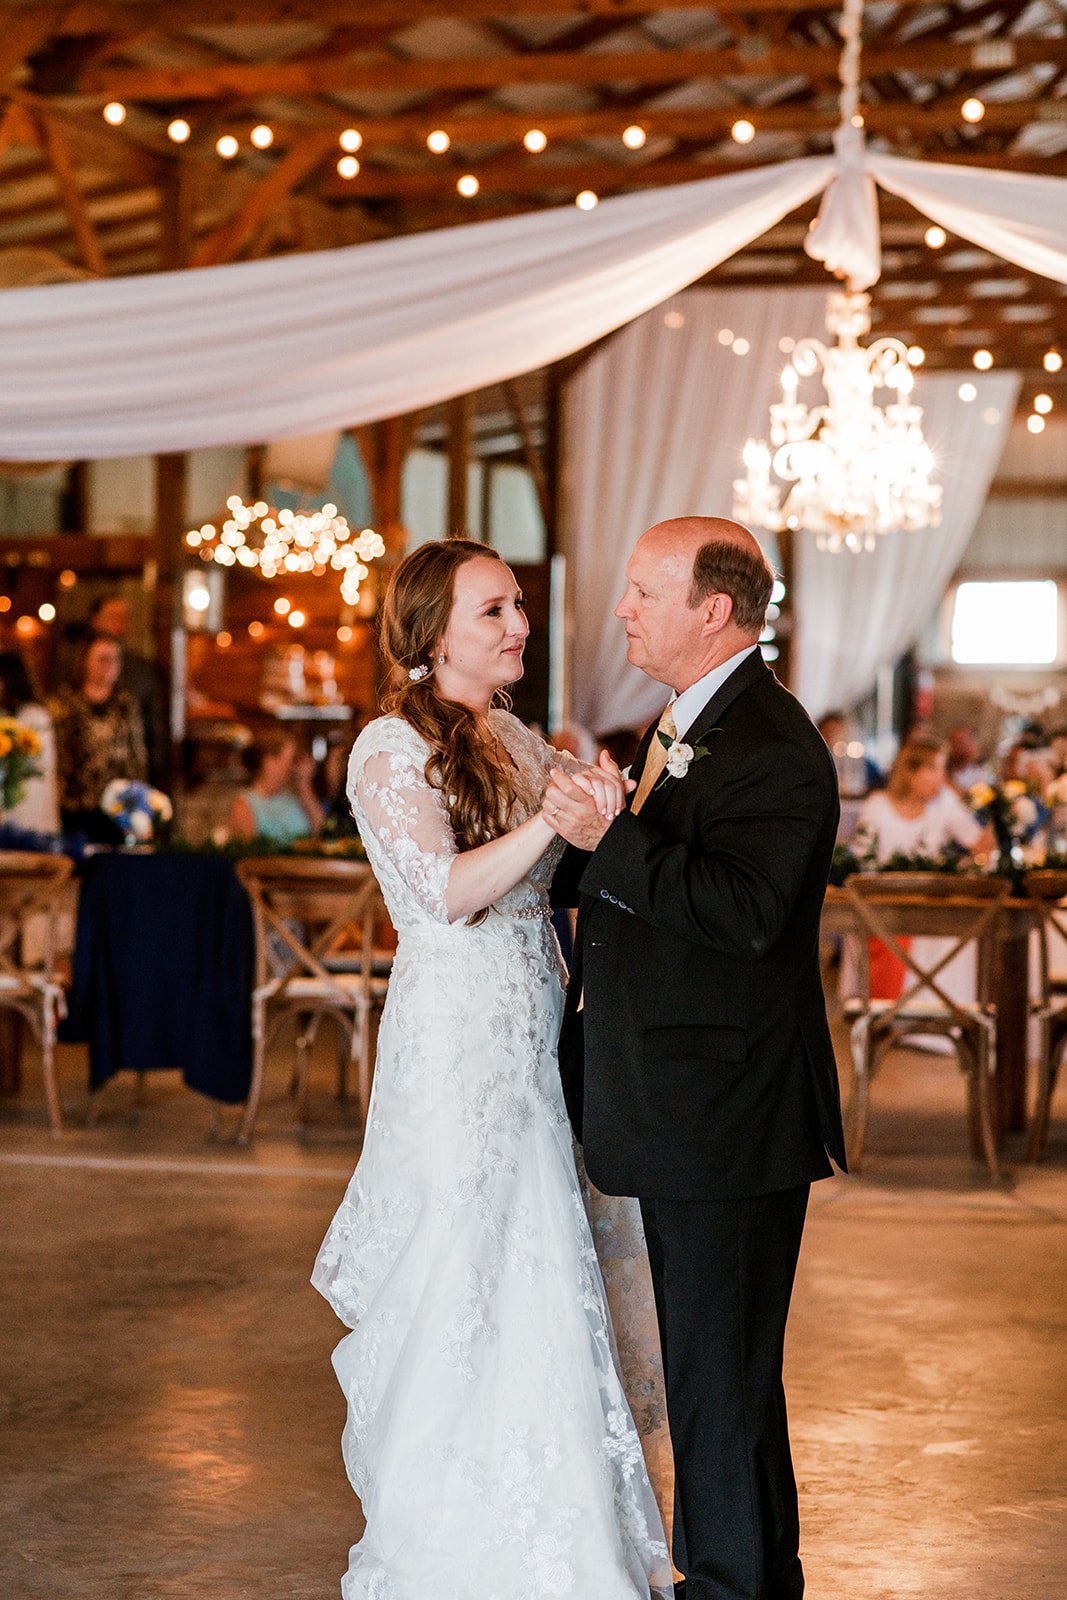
698, 591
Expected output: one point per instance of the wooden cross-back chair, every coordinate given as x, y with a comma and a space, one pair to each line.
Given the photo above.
1047, 890
316, 956
32, 890
895, 907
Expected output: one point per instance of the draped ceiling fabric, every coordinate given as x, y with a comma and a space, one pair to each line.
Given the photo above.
654, 425
302, 344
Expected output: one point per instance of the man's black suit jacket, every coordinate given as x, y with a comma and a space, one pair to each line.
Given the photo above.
700, 1064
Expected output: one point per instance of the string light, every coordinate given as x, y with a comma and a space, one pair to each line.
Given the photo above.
224, 640
282, 542
983, 360
5, 602
47, 612
1052, 361
351, 140
115, 113
255, 630
262, 136
438, 141
967, 392
742, 131
179, 130
586, 200
916, 355
26, 625
226, 146
1036, 424
344, 634
297, 619
468, 186
972, 110
725, 336
348, 167
68, 578
935, 237
634, 136
740, 347
283, 606
535, 141
1043, 404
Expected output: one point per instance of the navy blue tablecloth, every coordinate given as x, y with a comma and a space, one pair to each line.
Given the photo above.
163, 965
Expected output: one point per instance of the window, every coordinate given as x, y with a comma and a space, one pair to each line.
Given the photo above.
1013, 624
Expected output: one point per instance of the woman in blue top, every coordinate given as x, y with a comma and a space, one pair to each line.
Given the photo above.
279, 803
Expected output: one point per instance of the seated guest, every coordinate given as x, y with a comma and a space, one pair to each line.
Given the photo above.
279, 804
965, 765
38, 810
1028, 763
918, 813
99, 736
856, 772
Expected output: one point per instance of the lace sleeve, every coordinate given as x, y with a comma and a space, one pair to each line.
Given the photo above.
409, 818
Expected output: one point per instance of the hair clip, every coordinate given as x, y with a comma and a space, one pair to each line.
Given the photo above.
416, 674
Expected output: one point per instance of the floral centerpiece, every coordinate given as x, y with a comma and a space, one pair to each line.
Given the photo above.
19, 748
1017, 813
137, 808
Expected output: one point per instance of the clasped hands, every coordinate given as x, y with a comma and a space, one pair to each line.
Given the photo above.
581, 807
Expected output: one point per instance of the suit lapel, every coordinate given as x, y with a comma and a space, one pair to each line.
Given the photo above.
752, 670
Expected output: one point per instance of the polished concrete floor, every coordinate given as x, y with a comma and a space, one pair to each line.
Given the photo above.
169, 1420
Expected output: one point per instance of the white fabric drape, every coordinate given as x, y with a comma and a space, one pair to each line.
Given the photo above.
299, 345
858, 613
654, 424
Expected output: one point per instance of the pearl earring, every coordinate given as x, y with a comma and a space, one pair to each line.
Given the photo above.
441, 659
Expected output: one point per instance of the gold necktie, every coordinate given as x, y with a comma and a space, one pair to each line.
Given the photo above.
656, 759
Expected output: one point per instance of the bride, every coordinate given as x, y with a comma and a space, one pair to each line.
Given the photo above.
488, 1435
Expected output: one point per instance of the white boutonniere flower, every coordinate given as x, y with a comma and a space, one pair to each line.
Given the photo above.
680, 757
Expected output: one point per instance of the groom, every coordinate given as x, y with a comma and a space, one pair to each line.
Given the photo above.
695, 1053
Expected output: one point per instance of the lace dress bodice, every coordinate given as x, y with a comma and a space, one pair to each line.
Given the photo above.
404, 822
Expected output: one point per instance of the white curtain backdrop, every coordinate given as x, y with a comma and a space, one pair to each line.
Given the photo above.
653, 427
303, 344
654, 424
858, 613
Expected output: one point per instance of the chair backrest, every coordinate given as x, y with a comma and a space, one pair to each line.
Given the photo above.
1046, 888
31, 885
307, 910
893, 906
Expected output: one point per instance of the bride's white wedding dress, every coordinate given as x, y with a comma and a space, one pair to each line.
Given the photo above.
488, 1435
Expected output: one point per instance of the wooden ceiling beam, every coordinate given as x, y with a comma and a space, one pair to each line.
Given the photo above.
81, 224
174, 16
285, 177
352, 73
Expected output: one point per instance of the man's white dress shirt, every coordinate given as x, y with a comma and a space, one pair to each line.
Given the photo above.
688, 705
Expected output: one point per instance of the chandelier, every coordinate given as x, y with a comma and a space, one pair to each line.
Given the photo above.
280, 543
852, 469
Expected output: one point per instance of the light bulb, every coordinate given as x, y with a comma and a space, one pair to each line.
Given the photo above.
725, 336
226, 146
255, 630
1043, 404
351, 140
916, 355
224, 639
983, 360
1052, 361
344, 633
283, 606
178, 130
967, 393
634, 136
742, 131
47, 612
438, 141
935, 237
199, 598
535, 141
115, 113
1036, 424
740, 347
262, 136
586, 200
972, 109
468, 186
348, 167
297, 619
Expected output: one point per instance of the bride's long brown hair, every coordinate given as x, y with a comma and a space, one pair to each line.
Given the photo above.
481, 796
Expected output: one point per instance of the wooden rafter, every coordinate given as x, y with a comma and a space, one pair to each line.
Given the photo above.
81, 225
280, 182
350, 74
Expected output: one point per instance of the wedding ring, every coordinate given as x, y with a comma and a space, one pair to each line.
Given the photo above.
555, 811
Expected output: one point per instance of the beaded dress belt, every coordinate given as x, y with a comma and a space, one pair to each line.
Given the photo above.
537, 913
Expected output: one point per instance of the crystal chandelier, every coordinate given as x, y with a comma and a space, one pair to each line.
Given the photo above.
852, 469
278, 543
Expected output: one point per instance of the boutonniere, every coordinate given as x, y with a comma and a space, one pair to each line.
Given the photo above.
680, 757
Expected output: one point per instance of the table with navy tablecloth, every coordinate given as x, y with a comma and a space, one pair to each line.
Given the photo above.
162, 971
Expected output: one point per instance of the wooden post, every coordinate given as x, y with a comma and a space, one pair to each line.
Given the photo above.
459, 449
